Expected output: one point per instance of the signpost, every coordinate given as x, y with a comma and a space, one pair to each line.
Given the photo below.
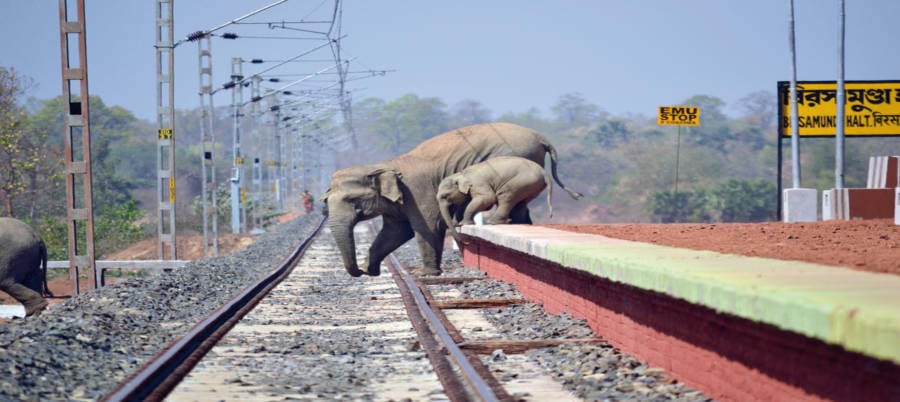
678, 116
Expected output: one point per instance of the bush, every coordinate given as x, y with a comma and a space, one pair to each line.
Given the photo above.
687, 206
114, 230
746, 200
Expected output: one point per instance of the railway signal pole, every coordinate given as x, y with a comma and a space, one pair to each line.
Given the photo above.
79, 196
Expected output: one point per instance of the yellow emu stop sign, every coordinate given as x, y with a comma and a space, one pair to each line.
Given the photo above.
678, 116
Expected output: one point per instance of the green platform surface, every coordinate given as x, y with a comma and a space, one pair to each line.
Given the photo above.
855, 309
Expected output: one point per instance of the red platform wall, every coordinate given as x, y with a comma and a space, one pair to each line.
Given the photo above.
727, 357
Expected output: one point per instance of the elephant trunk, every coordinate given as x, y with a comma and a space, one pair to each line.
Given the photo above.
448, 219
343, 236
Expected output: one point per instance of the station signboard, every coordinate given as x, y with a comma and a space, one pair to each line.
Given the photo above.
872, 108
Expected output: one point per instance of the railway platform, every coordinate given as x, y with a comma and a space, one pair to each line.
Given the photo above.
741, 328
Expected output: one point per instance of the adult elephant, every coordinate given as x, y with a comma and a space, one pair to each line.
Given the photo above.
403, 191
23, 264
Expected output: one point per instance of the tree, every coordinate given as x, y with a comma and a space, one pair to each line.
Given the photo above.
746, 200
714, 130
409, 120
683, 206
573, 110
610, 132
530, 118
20, 147
468, 112
760, 108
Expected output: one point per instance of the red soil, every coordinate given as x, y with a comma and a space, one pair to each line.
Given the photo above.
867, 245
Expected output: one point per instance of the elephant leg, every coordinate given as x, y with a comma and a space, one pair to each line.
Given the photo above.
520, 214
33, 301
392, 235
476, 205
431, 250
501, 214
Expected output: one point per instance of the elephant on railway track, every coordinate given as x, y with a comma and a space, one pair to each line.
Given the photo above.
23, 265
509, 182
403, 191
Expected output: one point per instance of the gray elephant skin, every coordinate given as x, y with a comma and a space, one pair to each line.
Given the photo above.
509, 182
23, 265
403, 191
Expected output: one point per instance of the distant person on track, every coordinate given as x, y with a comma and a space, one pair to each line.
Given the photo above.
307, 201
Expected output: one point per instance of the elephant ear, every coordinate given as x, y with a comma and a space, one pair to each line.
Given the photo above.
464, 185
387, 183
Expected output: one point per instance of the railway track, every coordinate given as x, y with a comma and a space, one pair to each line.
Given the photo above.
321, 334
270, 329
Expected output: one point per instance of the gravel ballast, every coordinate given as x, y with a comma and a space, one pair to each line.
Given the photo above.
80, 349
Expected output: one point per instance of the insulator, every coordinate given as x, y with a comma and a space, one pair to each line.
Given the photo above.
228, 85
195, 36
229, 35
275, 108
256, 99
256, 61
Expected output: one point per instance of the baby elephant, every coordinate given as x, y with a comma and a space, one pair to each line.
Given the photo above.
507, 181
23, 265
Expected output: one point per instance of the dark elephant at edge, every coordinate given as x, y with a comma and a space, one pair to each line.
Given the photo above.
23, 265
403, 191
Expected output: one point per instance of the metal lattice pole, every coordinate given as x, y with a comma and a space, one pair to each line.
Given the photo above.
79, 196
165, 120
208, 147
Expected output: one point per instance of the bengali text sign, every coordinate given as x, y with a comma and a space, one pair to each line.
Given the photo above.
872, 108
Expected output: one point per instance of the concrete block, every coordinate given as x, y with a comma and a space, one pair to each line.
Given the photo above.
897, 206
858, 203
800, 205
884, 172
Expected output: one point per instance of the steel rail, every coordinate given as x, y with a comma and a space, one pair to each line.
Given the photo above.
477, 384
154, 380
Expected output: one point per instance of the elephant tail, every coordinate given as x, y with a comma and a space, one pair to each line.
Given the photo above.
46, 289
549, 194
553, 162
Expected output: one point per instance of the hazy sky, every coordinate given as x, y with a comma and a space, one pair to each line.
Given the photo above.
624, 56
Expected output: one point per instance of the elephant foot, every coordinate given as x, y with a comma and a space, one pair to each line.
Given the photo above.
373, 271
422, 271
354, 272
36, 309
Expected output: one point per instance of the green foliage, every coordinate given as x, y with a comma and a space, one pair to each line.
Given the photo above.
403, 123
611, 132
746, 200
683, 206
626, 165
572, 110
55, 234
114, 230
117, 228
